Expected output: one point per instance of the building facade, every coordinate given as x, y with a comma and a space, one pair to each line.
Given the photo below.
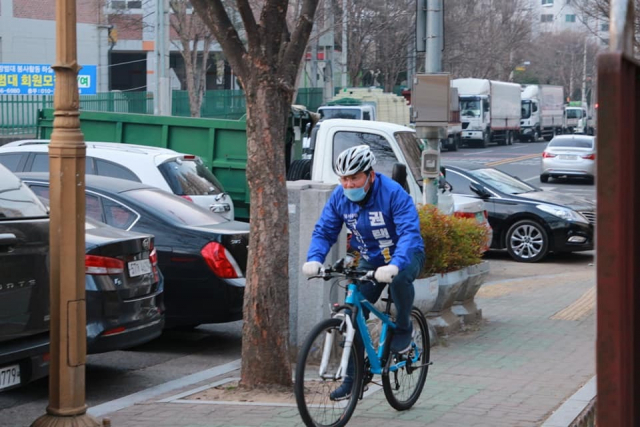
556, 16
117, 36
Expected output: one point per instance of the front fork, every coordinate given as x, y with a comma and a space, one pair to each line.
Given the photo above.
346, 353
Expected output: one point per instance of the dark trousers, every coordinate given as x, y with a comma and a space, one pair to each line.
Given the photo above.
401, 289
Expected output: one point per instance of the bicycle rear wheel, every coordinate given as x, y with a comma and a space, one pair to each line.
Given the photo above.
402, 387
312, 390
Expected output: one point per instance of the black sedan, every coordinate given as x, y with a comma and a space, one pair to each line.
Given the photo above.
124, 288
527, 221
201, 254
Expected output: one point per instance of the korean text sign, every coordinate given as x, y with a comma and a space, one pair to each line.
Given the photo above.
39, 79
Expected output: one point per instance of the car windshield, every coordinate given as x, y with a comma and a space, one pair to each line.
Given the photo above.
17, 200
174, 209
502, 181
574, 113
470, 107
572, 142
190, 177
525, 111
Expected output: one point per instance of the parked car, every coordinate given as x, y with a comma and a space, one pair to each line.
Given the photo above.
24, 284
527, 221
569, 156
201, 254
468, 207
182, 174
123, 286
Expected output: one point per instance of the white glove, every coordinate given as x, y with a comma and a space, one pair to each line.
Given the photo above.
311, 268
386, 273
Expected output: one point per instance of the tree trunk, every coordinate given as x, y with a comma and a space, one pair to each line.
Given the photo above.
265, 343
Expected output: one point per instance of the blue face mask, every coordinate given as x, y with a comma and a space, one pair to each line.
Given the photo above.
356, 194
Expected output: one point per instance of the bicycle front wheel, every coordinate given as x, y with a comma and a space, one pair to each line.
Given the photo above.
403, 385
314, 383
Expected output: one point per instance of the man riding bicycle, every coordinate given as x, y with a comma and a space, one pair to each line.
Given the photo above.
385, 230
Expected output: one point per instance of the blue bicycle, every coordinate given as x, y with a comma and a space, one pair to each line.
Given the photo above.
344, 339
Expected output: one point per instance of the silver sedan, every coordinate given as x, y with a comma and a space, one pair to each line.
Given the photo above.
569, 156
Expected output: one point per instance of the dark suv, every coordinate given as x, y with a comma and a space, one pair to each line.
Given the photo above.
24, 283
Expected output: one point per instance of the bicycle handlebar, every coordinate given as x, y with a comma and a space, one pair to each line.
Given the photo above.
339, 270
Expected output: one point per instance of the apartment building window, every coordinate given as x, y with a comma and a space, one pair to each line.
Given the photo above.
570, 18
547, 2
125, 4
546, 18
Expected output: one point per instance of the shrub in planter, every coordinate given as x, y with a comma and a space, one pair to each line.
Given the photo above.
450, 243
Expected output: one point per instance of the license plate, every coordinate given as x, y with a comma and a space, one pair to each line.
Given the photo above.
565, 157
9, 376
138, 268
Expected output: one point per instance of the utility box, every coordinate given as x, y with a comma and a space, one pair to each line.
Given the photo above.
430, 98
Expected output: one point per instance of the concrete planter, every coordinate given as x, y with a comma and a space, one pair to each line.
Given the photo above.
477, 273
440, 317
464, 305
426, 294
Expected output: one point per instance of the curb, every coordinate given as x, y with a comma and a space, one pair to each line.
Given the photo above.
143, 395
573, 408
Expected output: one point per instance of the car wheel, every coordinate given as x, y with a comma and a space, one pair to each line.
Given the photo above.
536, 136
544, 178
453, 143
527, 241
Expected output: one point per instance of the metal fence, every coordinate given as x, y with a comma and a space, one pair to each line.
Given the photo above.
219, 104
19, 113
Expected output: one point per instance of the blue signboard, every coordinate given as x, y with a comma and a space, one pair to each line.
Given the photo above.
38, 79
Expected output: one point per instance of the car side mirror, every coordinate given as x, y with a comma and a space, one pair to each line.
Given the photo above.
399, 175
479, 190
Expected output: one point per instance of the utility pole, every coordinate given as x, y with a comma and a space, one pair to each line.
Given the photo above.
345, 69
432, 65
68, 324
163, 82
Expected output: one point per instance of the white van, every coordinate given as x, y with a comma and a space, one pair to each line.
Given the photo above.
182, 174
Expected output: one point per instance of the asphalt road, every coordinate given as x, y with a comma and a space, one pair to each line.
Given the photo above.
179, 353
522, 159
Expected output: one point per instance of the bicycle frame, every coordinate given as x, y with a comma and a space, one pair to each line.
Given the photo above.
357, 301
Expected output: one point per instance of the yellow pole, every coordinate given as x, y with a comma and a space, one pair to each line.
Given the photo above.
67, 170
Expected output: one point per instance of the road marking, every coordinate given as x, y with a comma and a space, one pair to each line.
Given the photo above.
143, 395
513, 160
579, 308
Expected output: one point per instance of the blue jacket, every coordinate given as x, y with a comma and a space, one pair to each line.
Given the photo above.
386, 230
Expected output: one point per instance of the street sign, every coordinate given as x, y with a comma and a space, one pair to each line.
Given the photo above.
39, 79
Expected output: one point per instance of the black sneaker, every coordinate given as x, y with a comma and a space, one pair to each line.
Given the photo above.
401, 342
343, 392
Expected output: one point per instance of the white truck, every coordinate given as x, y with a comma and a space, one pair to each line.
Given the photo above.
454, 127
489, 110
541, 114
363, 103
393, 145
577, 119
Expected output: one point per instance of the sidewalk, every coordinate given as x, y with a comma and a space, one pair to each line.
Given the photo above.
534, 349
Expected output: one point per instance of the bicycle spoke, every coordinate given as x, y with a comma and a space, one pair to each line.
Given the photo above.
407, 373
313, 391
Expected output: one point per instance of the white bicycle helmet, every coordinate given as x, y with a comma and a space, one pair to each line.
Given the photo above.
355, 159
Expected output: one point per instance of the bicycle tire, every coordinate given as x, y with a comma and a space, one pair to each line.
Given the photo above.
311, 391
402, 388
